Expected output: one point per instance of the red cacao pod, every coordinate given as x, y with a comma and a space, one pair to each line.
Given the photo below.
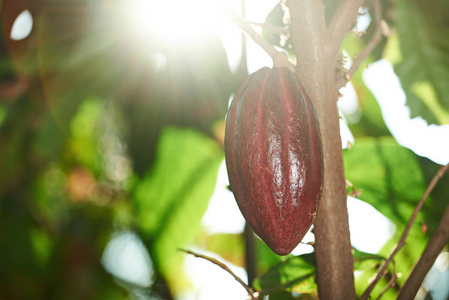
274, 157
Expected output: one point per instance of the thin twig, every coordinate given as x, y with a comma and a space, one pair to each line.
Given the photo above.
279, 58
383, 268
375, 39
342, 21
391, 282
252, 294
355, 193
436, 244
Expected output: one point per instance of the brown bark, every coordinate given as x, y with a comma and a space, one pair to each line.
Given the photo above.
316, 58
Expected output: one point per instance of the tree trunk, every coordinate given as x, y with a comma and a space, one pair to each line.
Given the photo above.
316, 61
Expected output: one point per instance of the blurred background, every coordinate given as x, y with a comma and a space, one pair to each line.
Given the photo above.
111, 148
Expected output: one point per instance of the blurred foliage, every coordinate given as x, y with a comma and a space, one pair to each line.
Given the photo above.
88, 148
173, 197
387, 15
103, 131
367, 120
423, 63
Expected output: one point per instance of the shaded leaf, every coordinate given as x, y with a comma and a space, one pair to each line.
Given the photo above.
273, 33
195, 87
265, 256
288, 275
423, 30
187, 84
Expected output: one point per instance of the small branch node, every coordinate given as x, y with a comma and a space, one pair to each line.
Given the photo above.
280, 59
391, 282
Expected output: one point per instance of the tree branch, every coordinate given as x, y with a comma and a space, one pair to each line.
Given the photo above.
383, 268
391, 282
342, 21
308, 26
315, 69
436, 244
251, 293
375, 39
280, 59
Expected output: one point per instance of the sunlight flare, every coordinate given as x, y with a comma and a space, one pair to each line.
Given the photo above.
172, 21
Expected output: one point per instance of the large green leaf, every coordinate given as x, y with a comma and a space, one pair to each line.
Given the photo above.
392, 179
423, 68
173, 197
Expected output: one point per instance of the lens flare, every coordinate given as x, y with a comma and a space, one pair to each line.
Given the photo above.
172, 21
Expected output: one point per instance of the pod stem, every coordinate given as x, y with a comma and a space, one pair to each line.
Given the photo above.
280, 59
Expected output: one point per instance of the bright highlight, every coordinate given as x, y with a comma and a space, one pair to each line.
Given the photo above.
174, 20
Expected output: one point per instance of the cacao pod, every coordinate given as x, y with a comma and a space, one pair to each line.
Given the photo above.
274, 157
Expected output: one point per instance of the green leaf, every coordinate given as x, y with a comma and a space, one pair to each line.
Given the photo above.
265, 256
173, 197
85, 131
423, 33
297, 273
393, 179
293, 274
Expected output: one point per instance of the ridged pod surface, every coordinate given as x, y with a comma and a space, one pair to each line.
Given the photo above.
274, 157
